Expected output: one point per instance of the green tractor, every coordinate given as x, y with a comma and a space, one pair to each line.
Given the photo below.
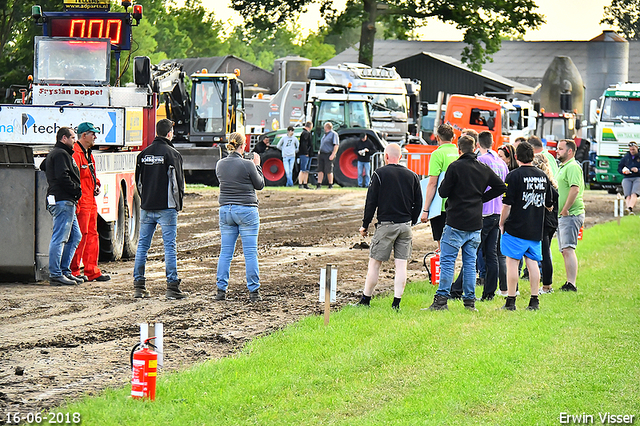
350, 116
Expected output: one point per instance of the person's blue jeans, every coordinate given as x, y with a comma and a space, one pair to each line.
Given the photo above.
65, 237
168, 221
288, 163
454, 240
367, 168
244, 221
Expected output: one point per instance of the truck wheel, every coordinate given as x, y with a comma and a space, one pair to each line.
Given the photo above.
112, 234
132, 232
273, 168
345, 167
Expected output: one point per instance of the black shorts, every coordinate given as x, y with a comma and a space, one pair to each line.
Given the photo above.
437, 225
324, 164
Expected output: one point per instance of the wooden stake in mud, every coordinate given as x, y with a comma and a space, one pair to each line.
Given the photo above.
328, 284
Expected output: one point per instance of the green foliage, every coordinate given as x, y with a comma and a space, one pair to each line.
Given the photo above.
374, 366
625, 15
483, 21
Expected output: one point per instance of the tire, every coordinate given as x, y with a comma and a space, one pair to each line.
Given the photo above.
345, 167
205, 177
273, 168
132, 231
112, 233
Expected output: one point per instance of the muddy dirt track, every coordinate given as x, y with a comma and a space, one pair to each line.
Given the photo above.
72, 341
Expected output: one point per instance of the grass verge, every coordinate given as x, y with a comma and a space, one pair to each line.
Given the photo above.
577, 355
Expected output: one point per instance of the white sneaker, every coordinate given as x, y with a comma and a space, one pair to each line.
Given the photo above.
543, 291
502, 294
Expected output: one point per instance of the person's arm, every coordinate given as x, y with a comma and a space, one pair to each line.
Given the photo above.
432, 186
497, 187
255, 172
336, 145
506, 211
371, 204
138, 175
448, 183
417, 201
622, 164
571, 198
280, 143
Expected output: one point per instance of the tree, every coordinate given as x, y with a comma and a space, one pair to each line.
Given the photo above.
484, 21
624, 14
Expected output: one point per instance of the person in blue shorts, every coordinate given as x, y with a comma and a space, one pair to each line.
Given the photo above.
522, 221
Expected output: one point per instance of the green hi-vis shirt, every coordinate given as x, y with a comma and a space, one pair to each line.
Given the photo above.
440, 159
570, 174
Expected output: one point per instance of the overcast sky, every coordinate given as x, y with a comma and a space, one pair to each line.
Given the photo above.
566, 20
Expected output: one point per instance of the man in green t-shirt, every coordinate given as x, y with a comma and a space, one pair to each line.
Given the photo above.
445, 154
571, 208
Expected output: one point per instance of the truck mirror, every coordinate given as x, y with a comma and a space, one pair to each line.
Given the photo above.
593, 111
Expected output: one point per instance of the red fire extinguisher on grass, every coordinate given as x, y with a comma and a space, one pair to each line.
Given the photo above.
144, 367
433, 269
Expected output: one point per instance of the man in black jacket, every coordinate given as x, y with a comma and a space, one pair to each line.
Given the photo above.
160, 182
464, 184
63, 177
396, 195
305, 152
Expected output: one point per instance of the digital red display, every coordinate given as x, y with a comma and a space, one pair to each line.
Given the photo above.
115, 27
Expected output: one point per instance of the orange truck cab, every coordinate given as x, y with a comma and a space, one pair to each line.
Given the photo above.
479, 113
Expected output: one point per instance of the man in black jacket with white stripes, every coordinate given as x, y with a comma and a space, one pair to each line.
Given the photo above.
396, 195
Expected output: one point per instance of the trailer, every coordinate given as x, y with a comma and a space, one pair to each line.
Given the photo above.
71, 84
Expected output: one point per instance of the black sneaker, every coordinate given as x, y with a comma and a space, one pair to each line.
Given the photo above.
470, 305
510, 304
330, 186
534, 304
439, 304
318, 186
76, 279
568, 287
60, 281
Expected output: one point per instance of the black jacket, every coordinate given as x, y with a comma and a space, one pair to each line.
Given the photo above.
159, 176
464, 184
629, 161
395, 192
63, 175
305, 143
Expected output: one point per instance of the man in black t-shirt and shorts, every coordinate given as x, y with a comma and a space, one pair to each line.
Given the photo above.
521, 222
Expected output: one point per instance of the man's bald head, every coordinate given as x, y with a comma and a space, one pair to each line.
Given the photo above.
392, 153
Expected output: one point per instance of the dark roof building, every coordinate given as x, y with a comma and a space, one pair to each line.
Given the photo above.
523, 61
252, 75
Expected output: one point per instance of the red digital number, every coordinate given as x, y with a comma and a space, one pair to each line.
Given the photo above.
96, 28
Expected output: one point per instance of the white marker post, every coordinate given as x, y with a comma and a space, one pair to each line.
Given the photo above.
157, 330
618, 207
328, 284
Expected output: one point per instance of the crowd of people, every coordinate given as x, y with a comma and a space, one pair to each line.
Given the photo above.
499, 209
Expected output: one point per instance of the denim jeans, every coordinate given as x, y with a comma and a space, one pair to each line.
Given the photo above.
452, 241
168, 221
288, 163
244, 221
367, 168
65, 237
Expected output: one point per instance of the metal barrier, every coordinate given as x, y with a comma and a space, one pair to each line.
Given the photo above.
417, 162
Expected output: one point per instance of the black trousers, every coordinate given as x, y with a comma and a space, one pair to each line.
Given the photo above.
547, 263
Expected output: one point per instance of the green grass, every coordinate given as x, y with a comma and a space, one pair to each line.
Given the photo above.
578, 354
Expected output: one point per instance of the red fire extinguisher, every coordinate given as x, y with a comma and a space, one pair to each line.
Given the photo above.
433, 269
144, 367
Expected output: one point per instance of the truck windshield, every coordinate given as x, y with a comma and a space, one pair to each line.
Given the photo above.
515, 120
209, 106
332, 111
552, 129
359, 115
385, 103
621, 109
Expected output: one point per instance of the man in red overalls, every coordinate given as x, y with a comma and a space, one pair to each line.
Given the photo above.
87, 210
